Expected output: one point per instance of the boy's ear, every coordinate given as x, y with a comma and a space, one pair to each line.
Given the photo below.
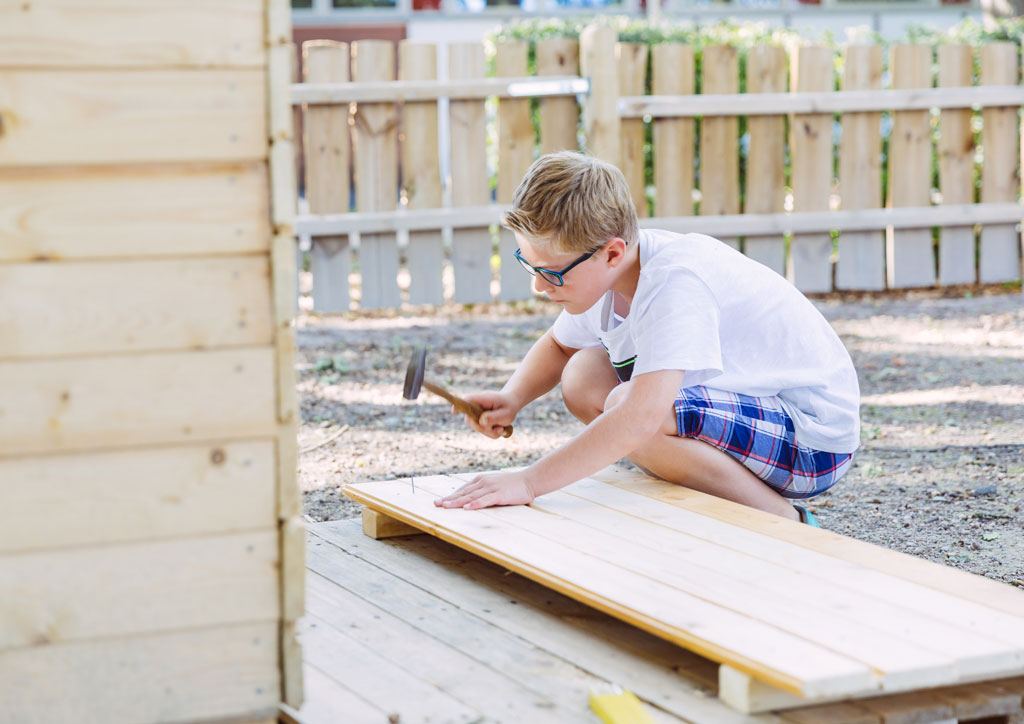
616, 251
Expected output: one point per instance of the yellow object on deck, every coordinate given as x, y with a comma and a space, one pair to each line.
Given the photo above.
619, 706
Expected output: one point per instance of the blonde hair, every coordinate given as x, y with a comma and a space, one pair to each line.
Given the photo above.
574, 202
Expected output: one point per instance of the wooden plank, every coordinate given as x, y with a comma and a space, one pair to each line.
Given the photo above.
632, 68
471, 248
170, 33
280, 62
889, 635
172, 677
460, 583
740, 104
329, 701
431, 657
64, 501
293, 670
719, 139
911, 217
421, 174
377, 525
783, 660
861, 262
766, 163
601, 125
77, 308
328, 156
811, 151
376, 169
462, 89
58, 596
559, 117
289, 497
79, 213
672, 72
956, 167
900, 566
910, 258
119, 401
515, 154
1000, 173
376, 678
975, 701
293, 568
49, 117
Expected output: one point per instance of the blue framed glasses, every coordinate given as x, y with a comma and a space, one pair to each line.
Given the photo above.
548, 275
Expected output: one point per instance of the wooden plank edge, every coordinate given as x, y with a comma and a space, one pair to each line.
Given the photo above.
376, 525
652, 625
293, 603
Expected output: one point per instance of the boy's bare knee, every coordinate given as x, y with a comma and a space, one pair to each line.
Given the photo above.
586, 379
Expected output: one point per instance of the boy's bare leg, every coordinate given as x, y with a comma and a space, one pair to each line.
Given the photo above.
589, 385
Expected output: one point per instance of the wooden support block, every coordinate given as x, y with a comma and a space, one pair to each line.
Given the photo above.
377, 525
750, 696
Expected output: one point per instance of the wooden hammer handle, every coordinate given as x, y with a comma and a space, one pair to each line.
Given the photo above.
464, 406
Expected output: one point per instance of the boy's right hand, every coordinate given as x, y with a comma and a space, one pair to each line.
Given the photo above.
499, 410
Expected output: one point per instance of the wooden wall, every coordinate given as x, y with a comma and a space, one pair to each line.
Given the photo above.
150, 554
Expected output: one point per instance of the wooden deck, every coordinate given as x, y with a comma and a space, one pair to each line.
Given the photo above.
414, 629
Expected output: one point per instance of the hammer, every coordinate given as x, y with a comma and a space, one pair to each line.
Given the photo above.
414, 381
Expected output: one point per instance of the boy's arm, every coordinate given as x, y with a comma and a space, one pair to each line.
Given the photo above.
611, 436
540, 370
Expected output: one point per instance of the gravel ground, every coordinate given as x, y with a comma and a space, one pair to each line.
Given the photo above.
940, 472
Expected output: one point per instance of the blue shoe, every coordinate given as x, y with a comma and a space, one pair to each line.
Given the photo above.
807, 516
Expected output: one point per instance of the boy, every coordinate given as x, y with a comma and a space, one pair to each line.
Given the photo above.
701, 366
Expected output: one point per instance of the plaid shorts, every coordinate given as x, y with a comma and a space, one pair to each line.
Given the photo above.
759, 433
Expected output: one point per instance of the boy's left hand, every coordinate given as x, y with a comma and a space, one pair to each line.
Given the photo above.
489, 489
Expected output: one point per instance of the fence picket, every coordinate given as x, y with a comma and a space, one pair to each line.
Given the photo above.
766, 163
719, 138
811, 151
861, 263
515, 154
559, 117
421, 175
956, 167
1000, 245
471, 248
600, 112
910, 256
672, 73
632, 67
327, 154
376, 168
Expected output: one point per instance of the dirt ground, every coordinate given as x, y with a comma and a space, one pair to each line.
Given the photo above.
940, 471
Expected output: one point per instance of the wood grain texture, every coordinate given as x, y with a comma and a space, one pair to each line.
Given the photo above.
719, 138
632, 69
811, 151
910, 258
50, 118
376, 173
111, 34
672, 73
60, 596
471, 248
198, 675
119, 401
80, 308
133, 211
766, 164
136, 495
956, 167
601, 125
328, 156
1000, 173
861, 263
559, 117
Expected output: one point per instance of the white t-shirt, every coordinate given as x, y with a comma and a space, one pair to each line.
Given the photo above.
732, 324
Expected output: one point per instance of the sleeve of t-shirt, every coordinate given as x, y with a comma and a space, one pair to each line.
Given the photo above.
677, 327
578, 331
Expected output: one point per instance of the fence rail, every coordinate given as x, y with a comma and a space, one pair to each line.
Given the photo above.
837, 189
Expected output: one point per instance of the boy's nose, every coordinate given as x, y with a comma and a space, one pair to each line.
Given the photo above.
542, 285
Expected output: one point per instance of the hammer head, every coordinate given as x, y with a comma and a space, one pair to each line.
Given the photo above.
414, 374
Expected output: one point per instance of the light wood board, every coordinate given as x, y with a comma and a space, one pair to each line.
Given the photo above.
50, 117
622, 555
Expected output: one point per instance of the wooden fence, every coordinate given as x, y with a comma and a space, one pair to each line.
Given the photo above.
906, 176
